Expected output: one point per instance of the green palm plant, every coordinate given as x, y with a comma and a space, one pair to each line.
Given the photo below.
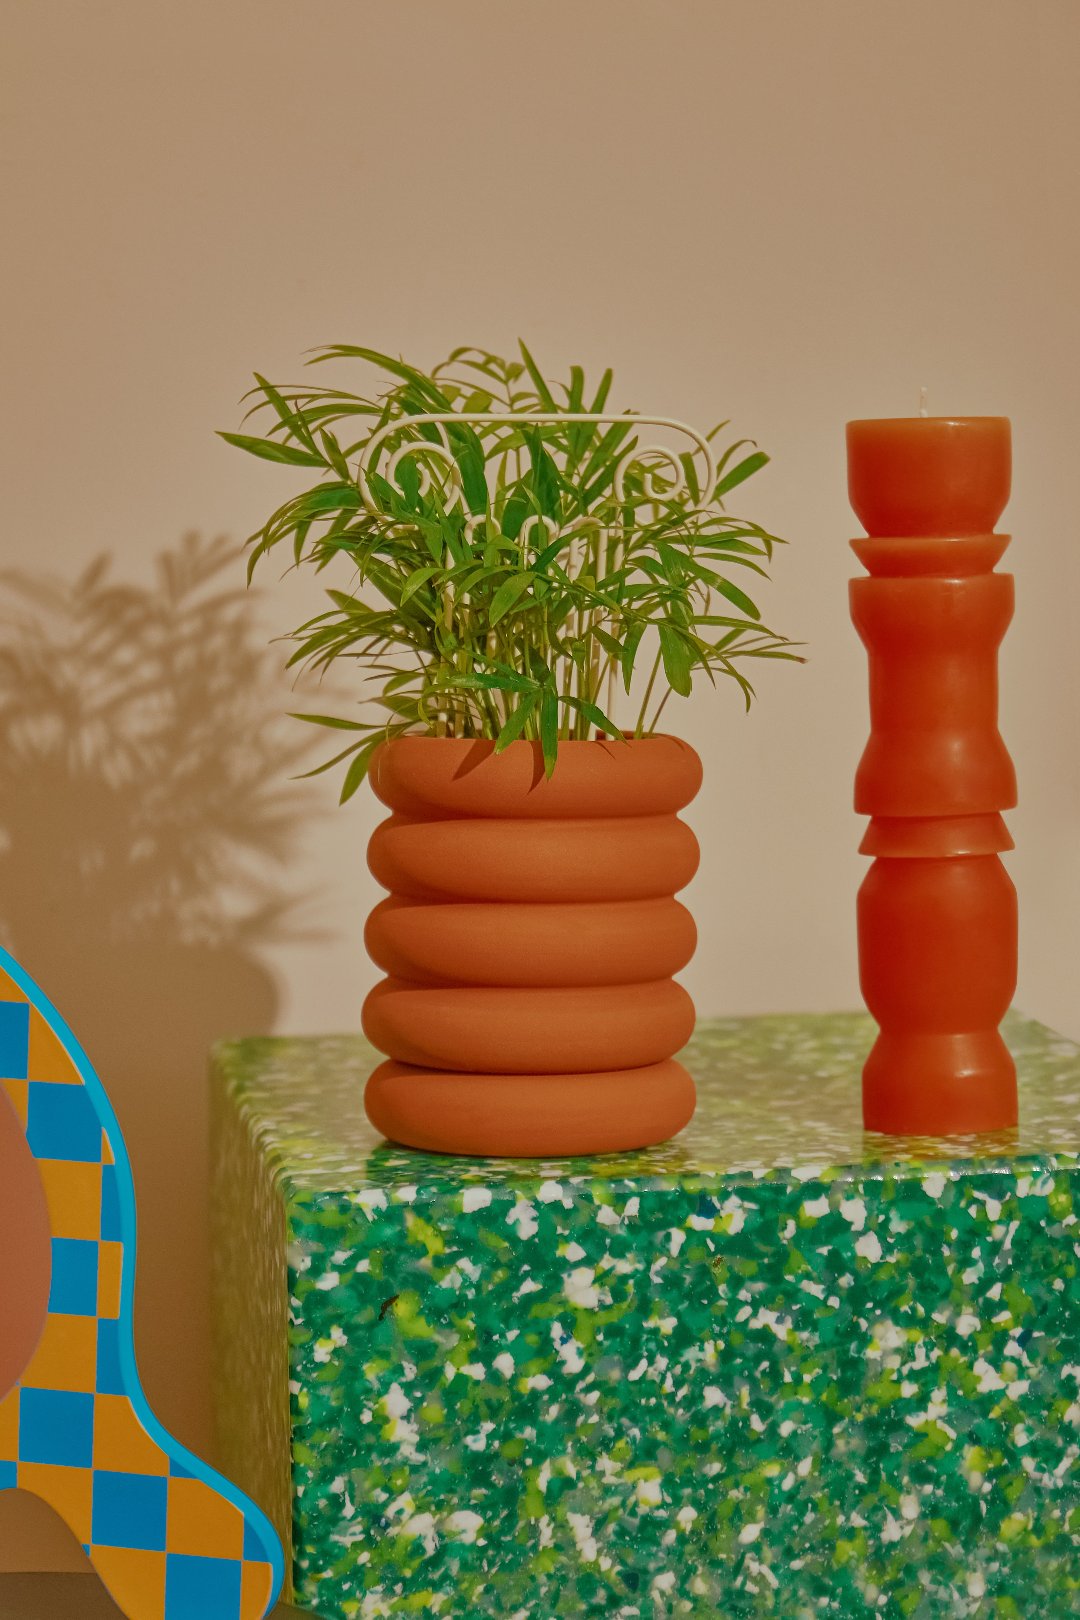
508, 576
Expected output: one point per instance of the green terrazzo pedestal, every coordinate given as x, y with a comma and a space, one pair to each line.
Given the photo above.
777, 1367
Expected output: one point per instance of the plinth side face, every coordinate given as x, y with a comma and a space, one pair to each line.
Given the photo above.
529, 944
947, 476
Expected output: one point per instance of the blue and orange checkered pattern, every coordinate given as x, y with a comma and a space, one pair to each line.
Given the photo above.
170, 1539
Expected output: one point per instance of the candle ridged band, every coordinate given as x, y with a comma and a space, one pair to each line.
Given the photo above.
937, 916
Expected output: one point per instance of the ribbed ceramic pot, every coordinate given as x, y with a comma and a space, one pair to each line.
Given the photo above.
530, 942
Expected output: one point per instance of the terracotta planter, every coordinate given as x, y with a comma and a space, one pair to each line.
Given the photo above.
530, 941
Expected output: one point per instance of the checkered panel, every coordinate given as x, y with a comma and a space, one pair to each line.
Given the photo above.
167, 1540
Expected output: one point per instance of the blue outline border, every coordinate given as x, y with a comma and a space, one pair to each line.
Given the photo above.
254, 1515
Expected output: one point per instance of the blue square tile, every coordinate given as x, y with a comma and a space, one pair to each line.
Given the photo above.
74, 1287
178, 1471
62, 1123
198, 1587
8, 1474
130, 1510
110, 1205
56, 1426
14, 1039
109, 1377
254, 1546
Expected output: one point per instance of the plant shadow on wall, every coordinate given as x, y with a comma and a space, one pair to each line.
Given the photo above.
145, 819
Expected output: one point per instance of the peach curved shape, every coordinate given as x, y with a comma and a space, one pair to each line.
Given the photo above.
562, 861
76, 1429
25, 1250
431, 776
529, 1115
921, 556
577, 1029
508, 944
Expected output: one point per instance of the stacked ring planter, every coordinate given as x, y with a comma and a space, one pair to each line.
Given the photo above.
530, 942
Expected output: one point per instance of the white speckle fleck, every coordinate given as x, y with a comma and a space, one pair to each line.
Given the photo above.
421, 1525
371, 1198
607, 1216
909, 1506
967, 1324
664, 1581
989, 1380
395, 1402
934, 1184
891, 1530
686, 1516
803, 1466
582, 1526
630, 1208
523, 1216
854, 1212
649, 1492
975, 1584
475, 1370
639, 1371
464, 1525
579, 1288
676, 1239
504, 1363
869, 1246
328, 1280
475, 1198
538, 1381
574, 1252
749, 1532
1018, 1387
406, 1195
551, 1192
807, 1172
815, 1208
714, 1396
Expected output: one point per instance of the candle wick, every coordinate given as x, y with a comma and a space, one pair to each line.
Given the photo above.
922, 403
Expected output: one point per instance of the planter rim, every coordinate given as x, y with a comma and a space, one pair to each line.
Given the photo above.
603, 776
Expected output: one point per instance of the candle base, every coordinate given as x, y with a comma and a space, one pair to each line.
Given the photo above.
934, 1084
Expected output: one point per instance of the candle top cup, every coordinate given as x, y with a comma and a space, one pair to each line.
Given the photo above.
929, 475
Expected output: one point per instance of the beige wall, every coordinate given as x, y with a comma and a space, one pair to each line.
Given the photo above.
784, 213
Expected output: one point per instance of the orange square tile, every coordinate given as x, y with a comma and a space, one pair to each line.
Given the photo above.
121, 1444
110, 1266
68, 1491
9, 1427
134, 1579
66, 1358
9, 990
202, 1522
19, 1093
256, 1581
48, 1057
73, 1194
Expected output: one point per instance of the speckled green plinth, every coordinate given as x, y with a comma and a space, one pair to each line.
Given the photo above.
774, 1368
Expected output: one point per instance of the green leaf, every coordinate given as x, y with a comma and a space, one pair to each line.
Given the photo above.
678, 660
331, 720
542, 389
272, 450
549, 728
630, 646
594, 715
516, 723
742, 470
508, 595
740, 598
417, 578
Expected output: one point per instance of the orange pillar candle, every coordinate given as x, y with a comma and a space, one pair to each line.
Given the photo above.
937, 918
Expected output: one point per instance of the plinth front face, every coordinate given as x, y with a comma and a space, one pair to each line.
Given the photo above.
593, 1387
